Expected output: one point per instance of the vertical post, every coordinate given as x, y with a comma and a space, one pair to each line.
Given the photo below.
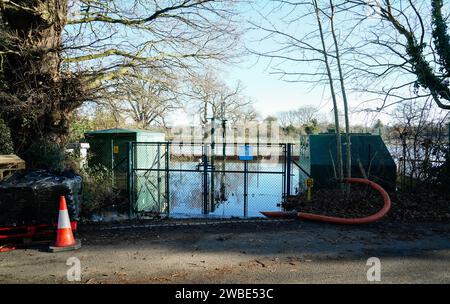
213, 131
283, 180
257, 141
167, 159
223, 138
205, 179
288, 161
246, 149
112, 162
158, 175
130, 178
213, 155
257, 154
223, 166
245, 188
222, 175
235, 140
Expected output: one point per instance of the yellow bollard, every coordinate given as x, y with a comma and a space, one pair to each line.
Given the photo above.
309, 185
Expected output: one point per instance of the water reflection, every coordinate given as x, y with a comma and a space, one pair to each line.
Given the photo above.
264, 189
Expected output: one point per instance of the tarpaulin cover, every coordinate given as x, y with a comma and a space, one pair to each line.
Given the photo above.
32, 197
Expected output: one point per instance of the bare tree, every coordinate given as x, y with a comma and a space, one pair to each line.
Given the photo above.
145, 100
213, 98
340, 171
57, 54
298, 117
403, 52
316, 50
331, 17
417, 140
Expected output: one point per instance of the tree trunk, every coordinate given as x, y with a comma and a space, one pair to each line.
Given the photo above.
340, 171
348, 172
36, 98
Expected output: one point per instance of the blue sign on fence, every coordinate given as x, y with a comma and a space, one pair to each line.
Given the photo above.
246, 152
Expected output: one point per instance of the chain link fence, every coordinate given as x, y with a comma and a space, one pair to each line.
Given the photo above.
214, 180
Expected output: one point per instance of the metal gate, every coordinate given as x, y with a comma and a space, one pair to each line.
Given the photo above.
201, 179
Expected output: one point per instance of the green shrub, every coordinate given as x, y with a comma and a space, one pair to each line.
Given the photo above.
98, 190
45, 155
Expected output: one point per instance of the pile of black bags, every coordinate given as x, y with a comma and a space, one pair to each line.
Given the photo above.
33, 197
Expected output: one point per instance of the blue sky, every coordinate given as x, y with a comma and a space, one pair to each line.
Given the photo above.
272, 95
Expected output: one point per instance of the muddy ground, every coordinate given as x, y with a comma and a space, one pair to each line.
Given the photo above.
247, 252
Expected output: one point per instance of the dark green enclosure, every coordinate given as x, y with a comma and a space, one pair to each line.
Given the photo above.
369, 154
109, 148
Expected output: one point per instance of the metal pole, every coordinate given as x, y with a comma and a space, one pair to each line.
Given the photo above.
130, 178
257, 140
245, 188
223, 138
112, 162
235, 140
288, 169
158, 173
205, 180
222, 176
167, 178
284, 174
213, 154
257, 154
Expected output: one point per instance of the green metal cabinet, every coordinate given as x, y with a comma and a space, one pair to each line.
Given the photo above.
110, 148
318, 153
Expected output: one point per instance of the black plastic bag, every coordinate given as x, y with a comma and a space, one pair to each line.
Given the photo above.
32, 197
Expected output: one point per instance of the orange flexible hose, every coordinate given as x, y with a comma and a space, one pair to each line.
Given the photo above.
7, 248
339, 220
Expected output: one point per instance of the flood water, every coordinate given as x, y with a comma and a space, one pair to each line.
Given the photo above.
265, 190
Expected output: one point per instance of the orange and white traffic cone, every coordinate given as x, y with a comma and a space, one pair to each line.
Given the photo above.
64, 236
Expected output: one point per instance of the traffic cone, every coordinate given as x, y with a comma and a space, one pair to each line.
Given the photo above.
64, 236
